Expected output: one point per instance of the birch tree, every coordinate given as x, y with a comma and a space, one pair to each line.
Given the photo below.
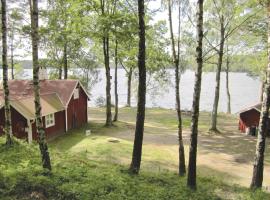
257, 176
224, 19
46, 163
192, 166
227, 70
176, 62
139, 130
7, 129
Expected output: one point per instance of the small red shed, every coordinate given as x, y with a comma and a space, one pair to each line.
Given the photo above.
249, 118
64, 107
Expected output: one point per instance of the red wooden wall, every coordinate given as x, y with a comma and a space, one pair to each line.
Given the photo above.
248, 119
77, 116
19, 123
52, 131
77, 110
251, 117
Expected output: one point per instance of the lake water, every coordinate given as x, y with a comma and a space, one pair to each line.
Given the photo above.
244, 90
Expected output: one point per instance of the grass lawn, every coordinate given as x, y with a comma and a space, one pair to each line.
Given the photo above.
228, 154
95, 167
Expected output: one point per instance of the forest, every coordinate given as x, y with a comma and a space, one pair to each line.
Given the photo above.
146, 99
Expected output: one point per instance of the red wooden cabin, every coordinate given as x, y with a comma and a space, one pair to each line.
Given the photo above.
64, 107
250, 118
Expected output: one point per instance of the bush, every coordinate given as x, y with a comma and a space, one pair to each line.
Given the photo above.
100, 101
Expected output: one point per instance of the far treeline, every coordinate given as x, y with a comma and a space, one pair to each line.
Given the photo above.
221, 35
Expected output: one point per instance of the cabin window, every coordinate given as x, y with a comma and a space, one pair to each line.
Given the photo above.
49, 120
76, 93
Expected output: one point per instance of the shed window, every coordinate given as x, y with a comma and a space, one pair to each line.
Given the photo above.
76, 93
49, 120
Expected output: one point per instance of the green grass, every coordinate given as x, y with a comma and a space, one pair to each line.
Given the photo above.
80, 177
93, 167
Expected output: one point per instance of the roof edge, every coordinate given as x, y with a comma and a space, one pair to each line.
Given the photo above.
250, 108
85, 91
18, 110
78, 82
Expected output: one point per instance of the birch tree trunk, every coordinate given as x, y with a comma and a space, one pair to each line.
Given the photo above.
227, 86
108, 81
60, 72
192, 168
7, 128
65, 61
115, 81
137, 147
129, 87
258, 167
12, 54
217, 88
176, 56
261, 90
46, 163
106, 48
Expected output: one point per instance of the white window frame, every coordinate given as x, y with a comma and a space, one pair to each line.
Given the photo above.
49, 120
76, 94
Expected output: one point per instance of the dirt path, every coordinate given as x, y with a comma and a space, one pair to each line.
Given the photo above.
227, 154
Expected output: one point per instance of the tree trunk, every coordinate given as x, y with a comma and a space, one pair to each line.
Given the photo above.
108, 81
60, 71
39, 123
7, 129
261, 90
137, 147
12, 56
191, 180
219, 65
227, 86
129, 87
115, 82
65, 61
106, 54
182, 166
257, 178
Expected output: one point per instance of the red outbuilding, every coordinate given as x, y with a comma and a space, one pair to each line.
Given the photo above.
249, 119
64, 107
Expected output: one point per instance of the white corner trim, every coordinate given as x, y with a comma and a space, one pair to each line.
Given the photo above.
66, 119
30, 133
85, 91
72, 93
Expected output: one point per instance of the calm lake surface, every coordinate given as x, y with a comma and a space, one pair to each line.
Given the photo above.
244, 90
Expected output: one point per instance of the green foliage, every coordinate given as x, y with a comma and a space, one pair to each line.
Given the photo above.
77, 177
100, 101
